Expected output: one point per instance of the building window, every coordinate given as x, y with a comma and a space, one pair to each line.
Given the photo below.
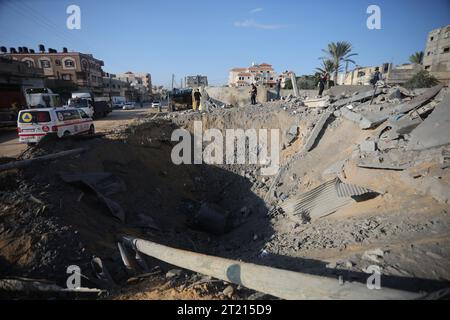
446, 50
432, 38
29, 62
45, 63
66, 76
69, 63
84, 64
427, 67
428, 53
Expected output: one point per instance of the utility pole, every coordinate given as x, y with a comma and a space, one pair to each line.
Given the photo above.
168, 95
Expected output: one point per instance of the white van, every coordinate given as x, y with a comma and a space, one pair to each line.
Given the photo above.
34, 124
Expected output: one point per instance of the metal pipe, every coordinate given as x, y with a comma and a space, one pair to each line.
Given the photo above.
276, 282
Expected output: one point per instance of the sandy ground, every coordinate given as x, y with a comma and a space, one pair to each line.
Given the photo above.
9, 141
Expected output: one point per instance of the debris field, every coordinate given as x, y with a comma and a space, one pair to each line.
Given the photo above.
364, 180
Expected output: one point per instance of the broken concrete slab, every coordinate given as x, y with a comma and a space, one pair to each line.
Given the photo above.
431, 186
383, 166
434, 131
360, 97
405, 124
292, 134
310, 143
419, 100
317, 102
367, 121
373, 255
368, 146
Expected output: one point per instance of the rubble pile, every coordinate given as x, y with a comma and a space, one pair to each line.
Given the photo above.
363, 179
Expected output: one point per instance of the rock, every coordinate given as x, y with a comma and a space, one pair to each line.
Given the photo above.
173, 273
368, 146
349, 264
373, 255
292, 134
228, 291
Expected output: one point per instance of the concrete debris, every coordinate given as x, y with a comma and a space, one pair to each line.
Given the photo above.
173, 273
317, 102
336, 168
96, 182
373, 255
359, 97
419, 100
292, 134
405, 124
445, 158
228, 291
434, 131
29, 286
310, 143
325, 199
382, 165
427, 185
368, 146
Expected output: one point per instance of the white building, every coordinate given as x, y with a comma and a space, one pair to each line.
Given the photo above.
260, 74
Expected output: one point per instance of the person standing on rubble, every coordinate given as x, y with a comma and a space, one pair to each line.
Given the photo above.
323, 79
377, 76
197, 98
253, 93
278, 87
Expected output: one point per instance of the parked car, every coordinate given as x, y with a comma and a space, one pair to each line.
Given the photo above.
156, 104
129, 106
34, 124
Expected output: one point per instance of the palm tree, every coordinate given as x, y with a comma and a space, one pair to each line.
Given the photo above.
339, 53
416, 58
327, 66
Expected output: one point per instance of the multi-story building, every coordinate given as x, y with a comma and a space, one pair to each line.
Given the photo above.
137, 79
81, 69
113, 86
15, 78
260, 74
437, 53
196, 81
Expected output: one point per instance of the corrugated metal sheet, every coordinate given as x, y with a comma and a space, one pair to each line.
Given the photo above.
323, 200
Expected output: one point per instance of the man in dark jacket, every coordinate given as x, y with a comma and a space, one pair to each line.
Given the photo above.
253, 93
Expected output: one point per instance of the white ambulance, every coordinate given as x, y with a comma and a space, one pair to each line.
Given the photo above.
34, 124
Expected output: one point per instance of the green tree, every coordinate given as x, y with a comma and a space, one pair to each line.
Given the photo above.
416, 58
422, 79
339, 53
327, 66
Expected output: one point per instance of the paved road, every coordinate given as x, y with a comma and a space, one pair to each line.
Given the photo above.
10, 146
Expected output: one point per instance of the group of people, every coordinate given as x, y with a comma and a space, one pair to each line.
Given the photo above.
324, 79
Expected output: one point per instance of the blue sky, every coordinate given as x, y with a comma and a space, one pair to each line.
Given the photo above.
211, 36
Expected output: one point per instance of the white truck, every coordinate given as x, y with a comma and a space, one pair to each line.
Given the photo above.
94, 107
118, 102
42, 98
